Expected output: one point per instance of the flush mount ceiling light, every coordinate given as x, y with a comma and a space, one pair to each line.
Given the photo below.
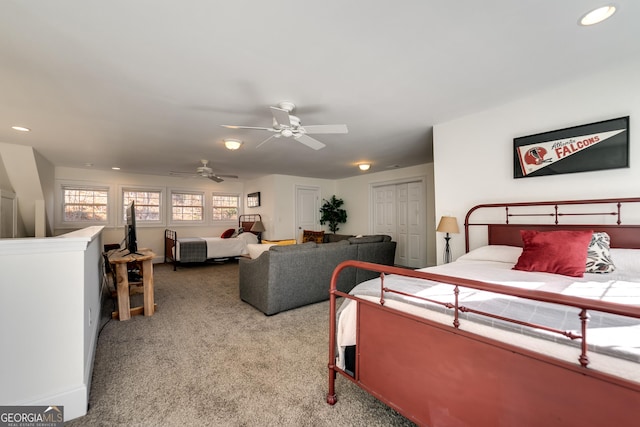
597, 15
364, 166
20, 128
232, 144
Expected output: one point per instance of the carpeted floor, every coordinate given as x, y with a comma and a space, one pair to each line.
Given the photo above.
208, 359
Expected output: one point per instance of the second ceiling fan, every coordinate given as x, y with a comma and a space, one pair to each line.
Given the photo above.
287, 125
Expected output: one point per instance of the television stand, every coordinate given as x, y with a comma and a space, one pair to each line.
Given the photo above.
145, 257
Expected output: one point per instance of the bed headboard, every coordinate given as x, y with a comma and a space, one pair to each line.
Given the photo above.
246, 221
600, 215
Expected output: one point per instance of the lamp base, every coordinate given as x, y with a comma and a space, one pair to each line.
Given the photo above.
447, 250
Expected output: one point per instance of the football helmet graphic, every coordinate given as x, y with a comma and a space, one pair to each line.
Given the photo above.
535, 156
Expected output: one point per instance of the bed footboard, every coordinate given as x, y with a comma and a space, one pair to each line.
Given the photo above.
438, 375
170, 243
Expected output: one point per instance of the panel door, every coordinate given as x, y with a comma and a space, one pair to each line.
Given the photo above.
385, 210
307, 210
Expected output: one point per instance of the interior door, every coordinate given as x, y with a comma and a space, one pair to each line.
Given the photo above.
385, 210
8, 220
399, 211
307, 210
416, 239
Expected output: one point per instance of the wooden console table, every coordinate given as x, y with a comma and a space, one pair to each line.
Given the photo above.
120, 260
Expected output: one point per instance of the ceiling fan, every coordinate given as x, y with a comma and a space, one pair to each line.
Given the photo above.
203, 171
287, 125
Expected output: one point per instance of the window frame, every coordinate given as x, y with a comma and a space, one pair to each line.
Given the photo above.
170, 206
62, 222
238, 197
122, 206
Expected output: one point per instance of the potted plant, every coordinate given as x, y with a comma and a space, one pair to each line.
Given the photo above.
332, 213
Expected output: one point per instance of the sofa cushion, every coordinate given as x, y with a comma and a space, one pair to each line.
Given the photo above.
332, 237
293, 248
370, 239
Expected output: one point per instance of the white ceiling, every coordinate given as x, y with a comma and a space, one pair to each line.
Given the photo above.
146, 84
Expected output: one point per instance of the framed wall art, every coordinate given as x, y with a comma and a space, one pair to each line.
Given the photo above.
592, 147
253, 200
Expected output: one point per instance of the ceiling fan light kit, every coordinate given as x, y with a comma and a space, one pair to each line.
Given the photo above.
203, 171
232, 144
287, 125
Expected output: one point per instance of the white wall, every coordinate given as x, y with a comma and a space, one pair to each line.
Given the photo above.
473, 155
148, 236
284, 214
49, 318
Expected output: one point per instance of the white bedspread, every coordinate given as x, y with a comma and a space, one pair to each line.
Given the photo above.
218, 247
621, 286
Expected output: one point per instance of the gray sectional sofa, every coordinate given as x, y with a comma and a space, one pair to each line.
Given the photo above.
286, 277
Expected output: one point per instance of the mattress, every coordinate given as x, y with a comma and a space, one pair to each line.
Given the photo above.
199, 249
613, 340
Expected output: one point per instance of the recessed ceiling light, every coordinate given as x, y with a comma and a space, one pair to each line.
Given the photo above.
115, 168
364, 166
597, 15
88, 164
232, 144
20, 128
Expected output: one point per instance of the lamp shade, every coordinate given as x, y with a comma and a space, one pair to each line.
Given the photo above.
448, 224
258, 227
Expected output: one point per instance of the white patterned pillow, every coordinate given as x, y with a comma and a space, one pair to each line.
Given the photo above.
598, 256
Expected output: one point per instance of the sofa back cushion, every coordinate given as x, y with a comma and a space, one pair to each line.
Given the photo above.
370, 239
293, 248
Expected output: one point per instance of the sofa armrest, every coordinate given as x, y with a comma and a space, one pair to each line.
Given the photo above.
254, 281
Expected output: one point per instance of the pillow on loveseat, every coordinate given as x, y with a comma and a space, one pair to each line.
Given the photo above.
312, 236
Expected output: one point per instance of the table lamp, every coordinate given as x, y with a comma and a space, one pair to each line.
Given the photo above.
448, 224
258, 228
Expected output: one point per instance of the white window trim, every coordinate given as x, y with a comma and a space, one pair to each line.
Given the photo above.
142, 188
205, 207
228, 221
59, 203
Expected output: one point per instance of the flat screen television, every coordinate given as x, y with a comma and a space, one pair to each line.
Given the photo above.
130, 229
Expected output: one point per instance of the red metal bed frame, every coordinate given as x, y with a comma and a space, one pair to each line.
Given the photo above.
438, 375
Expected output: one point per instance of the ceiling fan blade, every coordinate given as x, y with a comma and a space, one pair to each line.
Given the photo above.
281, 116
246, 127
215, 178
310, 142
326, 129
225, 176
176, 173
272, 136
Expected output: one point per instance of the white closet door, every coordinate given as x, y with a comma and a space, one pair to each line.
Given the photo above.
385, 210
416, 240
402, 225
399, 211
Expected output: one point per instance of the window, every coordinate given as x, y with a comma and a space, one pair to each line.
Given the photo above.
225, 207
147, 204
187, 207
85, 204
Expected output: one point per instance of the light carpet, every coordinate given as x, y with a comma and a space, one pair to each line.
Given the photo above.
206, 358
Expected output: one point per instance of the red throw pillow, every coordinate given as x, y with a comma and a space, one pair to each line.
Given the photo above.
561, 252
228, 233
